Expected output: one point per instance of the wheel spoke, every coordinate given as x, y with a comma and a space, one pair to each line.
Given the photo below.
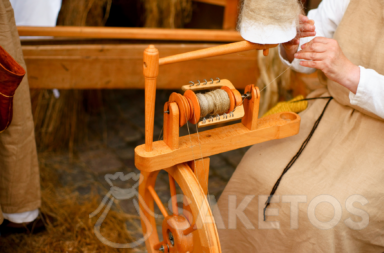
190, 229
157, 246
158, 201
187, 212
172, 187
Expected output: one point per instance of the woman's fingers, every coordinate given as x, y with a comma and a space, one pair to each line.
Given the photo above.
307, 34
315, 50
313, 64
312, 56
314, 47
296, 41
307, 28
317, 40
303, 19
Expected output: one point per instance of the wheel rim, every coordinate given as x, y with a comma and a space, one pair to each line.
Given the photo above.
200, 221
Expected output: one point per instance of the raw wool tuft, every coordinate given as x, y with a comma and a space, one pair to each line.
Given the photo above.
270, 12
269, 21
167, 13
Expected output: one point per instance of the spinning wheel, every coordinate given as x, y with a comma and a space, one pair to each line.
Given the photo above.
208, 103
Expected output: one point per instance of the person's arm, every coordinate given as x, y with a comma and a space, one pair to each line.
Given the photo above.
366, 85
326, 19
370, 92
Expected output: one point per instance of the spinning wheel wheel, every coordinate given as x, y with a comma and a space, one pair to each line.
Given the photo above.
191, 230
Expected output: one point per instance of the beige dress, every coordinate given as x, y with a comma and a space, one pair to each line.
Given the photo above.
332, 199
19, 171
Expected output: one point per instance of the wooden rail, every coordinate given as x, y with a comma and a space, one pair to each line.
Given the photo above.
131, 33
120, 66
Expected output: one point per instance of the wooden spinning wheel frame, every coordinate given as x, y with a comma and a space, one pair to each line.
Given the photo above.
193, 229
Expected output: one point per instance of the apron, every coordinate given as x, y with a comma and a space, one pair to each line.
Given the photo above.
332, 198
19, 170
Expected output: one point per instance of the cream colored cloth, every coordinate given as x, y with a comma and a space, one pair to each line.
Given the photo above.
332, 198
19, 171
361, 37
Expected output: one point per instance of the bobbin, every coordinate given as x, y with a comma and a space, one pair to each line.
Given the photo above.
195, 106
189, 105
184, 107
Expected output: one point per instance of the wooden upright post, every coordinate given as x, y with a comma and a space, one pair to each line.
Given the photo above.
251, 107
151, 71
171, 125
201, 169
231, 14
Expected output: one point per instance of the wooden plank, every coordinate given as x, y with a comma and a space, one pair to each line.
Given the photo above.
231, 14
214, 2
131, 33
120, 67
216, 141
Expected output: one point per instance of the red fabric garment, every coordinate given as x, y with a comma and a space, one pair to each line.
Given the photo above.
11, 75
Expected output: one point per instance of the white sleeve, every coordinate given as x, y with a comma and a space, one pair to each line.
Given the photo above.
370, 92
36, 12
327, 17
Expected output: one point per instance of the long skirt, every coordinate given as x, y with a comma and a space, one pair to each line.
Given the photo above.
332, 198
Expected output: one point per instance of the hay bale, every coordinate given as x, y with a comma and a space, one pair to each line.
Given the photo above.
84, 12
59, 123
167, 13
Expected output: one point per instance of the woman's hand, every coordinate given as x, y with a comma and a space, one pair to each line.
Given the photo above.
326, 55
306, 29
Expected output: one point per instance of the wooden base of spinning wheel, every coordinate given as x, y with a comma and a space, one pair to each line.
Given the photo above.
185, 159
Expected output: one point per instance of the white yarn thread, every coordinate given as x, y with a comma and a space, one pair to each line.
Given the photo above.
214, 102
203, 104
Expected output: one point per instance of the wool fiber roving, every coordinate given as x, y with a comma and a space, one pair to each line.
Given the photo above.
269, 21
